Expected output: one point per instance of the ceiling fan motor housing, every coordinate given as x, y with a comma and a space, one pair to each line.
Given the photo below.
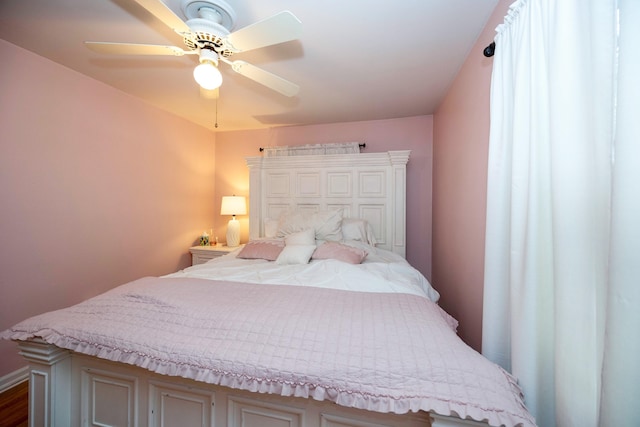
207, 35
210, 21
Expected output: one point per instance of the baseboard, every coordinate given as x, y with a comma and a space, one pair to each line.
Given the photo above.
14, 378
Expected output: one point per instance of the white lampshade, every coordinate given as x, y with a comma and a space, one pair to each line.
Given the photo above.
208, 76
233, 205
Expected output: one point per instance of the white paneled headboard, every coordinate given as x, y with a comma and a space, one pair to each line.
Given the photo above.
371, 186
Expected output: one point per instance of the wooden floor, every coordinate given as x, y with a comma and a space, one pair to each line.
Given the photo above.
14, 406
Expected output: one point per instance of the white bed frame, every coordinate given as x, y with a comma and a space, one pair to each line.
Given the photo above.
70, 389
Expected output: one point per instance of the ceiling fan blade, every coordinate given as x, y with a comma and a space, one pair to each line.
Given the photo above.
281, 27
265, 78
136, 49
166, 15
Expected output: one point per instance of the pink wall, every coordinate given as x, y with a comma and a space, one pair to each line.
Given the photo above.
96, 188
461, 140
413, 133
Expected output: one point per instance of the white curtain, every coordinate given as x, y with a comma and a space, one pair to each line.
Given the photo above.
562, 259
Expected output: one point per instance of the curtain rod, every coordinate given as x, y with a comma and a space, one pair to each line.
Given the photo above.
360, 145
489, 50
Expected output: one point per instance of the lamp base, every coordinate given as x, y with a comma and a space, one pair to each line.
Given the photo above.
233, 233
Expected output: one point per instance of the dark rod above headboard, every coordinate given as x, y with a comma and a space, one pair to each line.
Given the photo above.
360, 145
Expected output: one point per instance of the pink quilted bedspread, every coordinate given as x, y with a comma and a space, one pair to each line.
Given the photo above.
374, 351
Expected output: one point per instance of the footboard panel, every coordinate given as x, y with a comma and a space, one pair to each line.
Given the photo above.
69, 389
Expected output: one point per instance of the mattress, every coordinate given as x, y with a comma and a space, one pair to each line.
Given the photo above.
381, 271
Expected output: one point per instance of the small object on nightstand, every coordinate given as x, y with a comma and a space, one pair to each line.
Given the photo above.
204, 239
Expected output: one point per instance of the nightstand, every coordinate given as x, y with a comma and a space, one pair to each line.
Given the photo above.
202, 254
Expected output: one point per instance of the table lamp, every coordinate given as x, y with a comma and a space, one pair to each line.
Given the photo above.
233, 205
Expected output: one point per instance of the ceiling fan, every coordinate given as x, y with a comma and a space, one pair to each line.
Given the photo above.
207, 33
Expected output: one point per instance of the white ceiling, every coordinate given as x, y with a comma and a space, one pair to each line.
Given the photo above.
356, 60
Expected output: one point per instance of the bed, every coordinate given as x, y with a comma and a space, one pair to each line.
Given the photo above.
317, 321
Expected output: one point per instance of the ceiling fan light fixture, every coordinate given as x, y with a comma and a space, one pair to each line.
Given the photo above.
207, 74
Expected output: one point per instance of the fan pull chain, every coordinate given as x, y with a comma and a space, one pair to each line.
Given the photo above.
216, 124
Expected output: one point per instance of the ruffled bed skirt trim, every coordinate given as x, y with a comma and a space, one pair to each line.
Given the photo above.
240, 381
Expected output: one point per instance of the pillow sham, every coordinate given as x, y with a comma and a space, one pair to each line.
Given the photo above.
270, 227
358, 229
296, 254
326, 224
268, 249
340, 252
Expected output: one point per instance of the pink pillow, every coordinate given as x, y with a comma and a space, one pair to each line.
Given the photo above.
262, 249
335, 250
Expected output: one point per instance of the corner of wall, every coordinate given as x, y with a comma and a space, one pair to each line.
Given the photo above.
460, 149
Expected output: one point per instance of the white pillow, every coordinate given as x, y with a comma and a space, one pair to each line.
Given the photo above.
296, 254
358, 229
305, 237
326, 224
270, 227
